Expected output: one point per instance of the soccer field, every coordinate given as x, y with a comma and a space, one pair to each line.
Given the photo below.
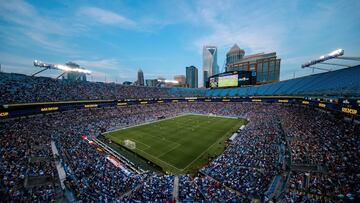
181, 144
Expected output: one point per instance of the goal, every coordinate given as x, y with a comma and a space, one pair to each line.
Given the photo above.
129, 144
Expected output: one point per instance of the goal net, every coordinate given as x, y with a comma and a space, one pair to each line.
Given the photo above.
129, 144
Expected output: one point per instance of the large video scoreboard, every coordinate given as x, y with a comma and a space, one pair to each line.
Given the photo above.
232, 79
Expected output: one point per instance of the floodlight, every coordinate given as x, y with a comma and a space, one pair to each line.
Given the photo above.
64, 68
331, 55
70, 69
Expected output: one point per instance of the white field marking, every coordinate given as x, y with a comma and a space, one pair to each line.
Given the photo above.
163, 138
205, 150
141, 143
155, 121
145, 123
166, 163
208, 115
158, 157
201, 153
210, 145
178, 145
170, 118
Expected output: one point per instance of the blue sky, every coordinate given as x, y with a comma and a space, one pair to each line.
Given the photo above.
115, 38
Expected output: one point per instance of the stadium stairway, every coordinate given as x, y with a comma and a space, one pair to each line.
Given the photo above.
176, 189
68, 195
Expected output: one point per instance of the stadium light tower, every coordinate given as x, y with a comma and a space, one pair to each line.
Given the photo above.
337, 54
65, 68
323, 58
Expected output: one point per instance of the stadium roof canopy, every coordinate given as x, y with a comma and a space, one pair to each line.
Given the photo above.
339, 83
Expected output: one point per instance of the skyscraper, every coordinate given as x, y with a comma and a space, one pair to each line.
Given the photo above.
140, 78
210, 66
266, 65
235, 54
192, 76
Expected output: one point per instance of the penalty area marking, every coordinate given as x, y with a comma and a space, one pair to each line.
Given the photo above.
140, 143
172, 118
166, 163
178, 145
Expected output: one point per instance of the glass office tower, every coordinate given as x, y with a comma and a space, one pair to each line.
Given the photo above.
192, 77
210, 66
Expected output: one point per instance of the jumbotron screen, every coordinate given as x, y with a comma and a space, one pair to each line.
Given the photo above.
232, 79
228, 81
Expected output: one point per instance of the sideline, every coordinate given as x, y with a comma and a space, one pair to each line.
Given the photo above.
166, 163
207, 149
145, 123
169, 118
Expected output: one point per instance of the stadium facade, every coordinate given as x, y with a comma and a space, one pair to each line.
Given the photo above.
266, 65
315, 86
210, 65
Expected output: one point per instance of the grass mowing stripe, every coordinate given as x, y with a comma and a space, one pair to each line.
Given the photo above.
208, 148
181, 143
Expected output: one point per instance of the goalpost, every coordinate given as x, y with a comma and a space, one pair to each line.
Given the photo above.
129, 144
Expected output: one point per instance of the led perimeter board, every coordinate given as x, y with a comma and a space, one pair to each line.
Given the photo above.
232, 79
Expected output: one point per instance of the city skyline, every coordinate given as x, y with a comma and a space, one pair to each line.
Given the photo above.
114, 38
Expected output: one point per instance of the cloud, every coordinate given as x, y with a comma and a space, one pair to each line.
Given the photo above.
26, 16
111, 69
104, 64
51, 43
298, 31
33, 29
16, 7
6, 58
24, 65
111, 77
229, 23
293, 29
101, 68
106, 17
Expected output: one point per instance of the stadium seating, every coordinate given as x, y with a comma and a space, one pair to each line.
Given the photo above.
17, 88
286, 153
323, 163
343, 82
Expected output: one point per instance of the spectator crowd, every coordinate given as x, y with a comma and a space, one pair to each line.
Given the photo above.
18, 88
242, 173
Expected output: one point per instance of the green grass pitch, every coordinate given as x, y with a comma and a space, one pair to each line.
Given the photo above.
181, 144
